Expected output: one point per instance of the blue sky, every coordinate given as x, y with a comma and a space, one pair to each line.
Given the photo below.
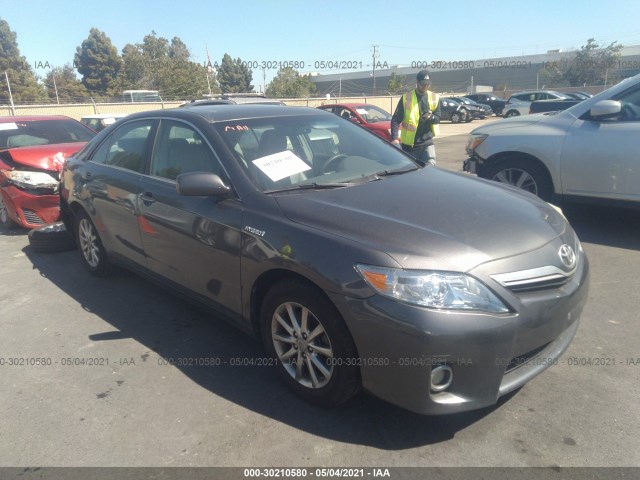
337, 31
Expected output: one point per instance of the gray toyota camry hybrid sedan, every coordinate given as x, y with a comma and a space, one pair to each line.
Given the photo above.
359, 268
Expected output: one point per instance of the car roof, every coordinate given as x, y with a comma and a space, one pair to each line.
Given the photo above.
232, 99
222, 113
348, 105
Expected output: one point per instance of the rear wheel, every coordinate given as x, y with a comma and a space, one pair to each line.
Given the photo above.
313, 347
92, 252
522, 173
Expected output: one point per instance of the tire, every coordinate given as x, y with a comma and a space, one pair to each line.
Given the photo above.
94, 256
51, 238
511, 113
322, 348
5, 222
456, 117
522, 173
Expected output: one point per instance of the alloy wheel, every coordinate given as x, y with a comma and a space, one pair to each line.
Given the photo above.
89, 242
302, 345
518, 178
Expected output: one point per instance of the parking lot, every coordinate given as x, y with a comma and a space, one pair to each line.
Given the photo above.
119, 372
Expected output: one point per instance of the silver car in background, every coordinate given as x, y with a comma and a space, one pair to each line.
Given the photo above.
588, 152
519, 103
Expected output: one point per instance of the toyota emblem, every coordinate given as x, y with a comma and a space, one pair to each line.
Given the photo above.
567, 256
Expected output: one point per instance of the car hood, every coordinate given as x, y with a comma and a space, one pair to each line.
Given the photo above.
430, 219
511, 122
45, 157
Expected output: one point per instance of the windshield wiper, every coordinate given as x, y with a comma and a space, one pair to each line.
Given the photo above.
310, 186
386, 173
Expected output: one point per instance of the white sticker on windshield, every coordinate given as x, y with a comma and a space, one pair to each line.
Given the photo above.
280, 165
362, 111
8, 126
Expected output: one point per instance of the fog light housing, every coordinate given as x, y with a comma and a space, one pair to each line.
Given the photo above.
441, 378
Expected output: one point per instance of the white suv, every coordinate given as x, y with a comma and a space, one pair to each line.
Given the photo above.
518, 103
589, 151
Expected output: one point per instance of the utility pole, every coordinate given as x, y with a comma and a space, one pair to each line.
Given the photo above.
55, 87
375, 58
13, 108
264, 80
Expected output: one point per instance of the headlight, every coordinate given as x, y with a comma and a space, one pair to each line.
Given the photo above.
25, 179
432, 288
475, 141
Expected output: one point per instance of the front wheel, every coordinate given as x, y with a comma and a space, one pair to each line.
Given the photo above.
511, 113
524, 174
456, 117
92, 251
314, 350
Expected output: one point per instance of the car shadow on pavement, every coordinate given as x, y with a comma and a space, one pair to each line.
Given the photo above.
613, 227
168, 327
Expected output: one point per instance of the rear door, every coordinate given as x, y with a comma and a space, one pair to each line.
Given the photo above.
111, 184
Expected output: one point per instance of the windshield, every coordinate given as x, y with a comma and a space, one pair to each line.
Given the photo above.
373, 114
28, 133
313, 150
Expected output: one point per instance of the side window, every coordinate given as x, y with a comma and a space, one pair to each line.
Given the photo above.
126, 147
180, 149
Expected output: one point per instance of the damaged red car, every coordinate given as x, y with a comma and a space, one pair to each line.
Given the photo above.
32, 152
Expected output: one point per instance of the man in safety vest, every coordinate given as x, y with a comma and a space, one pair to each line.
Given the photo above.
417, 116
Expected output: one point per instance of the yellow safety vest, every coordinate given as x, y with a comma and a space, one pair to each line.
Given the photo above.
412, 116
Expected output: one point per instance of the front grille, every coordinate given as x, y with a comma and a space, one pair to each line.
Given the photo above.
520, 360
31, 217
539, 284
536, 279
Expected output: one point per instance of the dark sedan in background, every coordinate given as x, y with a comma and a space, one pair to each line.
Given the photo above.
357, 267
479, 110
454, 111
497, 104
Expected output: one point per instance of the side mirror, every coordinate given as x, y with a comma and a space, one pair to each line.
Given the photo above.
605, 108
195, 184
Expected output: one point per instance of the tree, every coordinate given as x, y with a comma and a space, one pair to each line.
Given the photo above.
23, 82
592, 63
157, 64
63, 80
396, 84
234, 76
178, 50
288, 83
98, 62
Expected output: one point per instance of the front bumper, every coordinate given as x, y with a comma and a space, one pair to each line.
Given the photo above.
30, 210
489, 355
470, 165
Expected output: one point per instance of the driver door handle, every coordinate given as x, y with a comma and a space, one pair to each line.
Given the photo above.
147, 198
